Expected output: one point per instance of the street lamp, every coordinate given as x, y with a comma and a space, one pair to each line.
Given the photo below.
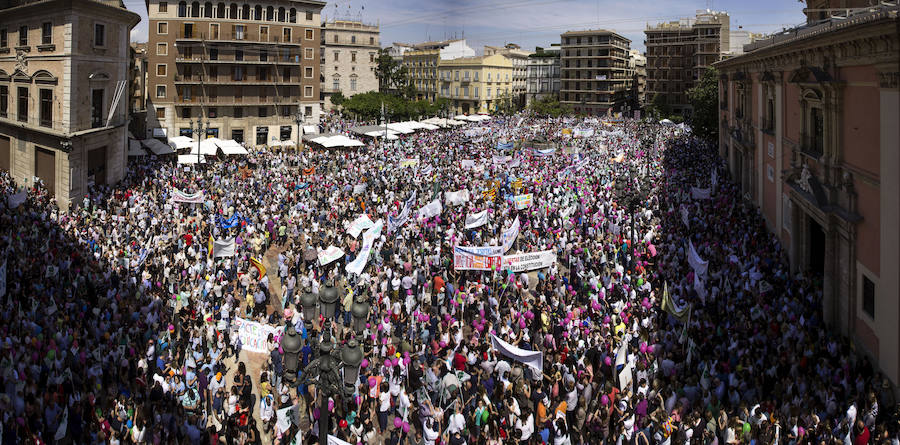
309, 304
328, 298
360, 311
299, 120
291, 343
198, 130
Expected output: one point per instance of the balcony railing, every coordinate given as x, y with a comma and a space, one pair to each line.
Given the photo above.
813, 146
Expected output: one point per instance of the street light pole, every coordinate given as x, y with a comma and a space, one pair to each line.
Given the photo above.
299, 120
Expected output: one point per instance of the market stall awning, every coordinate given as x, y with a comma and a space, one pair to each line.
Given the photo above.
181, 142
231, 147
208, 147
191, 159
134, 148
157, 147
399, 127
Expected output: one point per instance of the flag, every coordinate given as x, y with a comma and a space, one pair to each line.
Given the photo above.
681, 313
210, 245
309, 171
259, 267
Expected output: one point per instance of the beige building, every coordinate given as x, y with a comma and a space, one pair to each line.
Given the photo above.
137, 88
637, 63
349, 58
519, 58
248, 70
595, 73
474, 84
679, 52
422, 60
63, 74
542, 75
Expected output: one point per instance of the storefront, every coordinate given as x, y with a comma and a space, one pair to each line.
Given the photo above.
286, 132
237, 135
262, 135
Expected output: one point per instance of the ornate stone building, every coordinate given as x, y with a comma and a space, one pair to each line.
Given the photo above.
349, 58
809, 128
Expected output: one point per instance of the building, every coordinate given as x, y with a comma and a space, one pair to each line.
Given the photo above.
247, 70
519, 58
637, 63
679, 52
397, 50
595, 73
737, 40
137, 88
542, 75
349, 58
808, 126
63, 72
422, 60
475, 84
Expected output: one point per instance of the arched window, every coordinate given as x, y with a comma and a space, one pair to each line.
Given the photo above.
233, 13
220, 11
246, 13
280, 14
270, 14
208, 10
292, 17
182, 9
257, 13
195, 9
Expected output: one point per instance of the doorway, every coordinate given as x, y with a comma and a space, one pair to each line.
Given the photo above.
816, 248
96, 167
45, 168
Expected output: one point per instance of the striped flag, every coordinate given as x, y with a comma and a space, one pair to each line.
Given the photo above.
259, 267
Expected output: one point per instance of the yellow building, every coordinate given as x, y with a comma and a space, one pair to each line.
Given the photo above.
421, 66
474, 84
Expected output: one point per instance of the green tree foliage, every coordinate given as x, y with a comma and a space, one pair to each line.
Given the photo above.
337, 98
367, 106
549, 106
704, 98
505, 105
393, 77
659, 108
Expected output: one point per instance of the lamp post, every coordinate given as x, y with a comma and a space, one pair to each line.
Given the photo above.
360, 311
291, 343
328, 297
309, 304
299, 120
198, 131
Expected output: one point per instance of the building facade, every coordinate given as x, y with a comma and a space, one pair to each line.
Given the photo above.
542, 75
422, 60
63, 75
519, 59
474, 84
637, 62
809, 129
247, 70
594, 71
679, 52
137, 91
349, 58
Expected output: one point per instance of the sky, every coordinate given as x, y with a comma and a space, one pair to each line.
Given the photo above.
531, 23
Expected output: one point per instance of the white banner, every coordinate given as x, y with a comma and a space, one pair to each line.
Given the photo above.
431, 209
696, 262
523, 201
468, 163
359, 189
525, 262
684, 216
253, 335
698, 193
223, 248
533, 359
403, 217
409, 162
477, 220
194, 198
507, 238
17, 199
464, 260
359, 263
332, 440
359, 224
330, 254
457, 198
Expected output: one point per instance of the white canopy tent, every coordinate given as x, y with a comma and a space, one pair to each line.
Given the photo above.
400, 127
208, 147
182, 142
231, 147
288, 143
391, 134
429, 127
191, 159
158, 147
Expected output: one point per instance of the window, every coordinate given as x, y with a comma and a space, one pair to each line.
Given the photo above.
213, 73
162, 28
23, 105
476, 76
352, 39
185, 113
160, 113
270, 13
237, 74
263, 33
186, 94
238, 54
307, 91
353, 56
371, 57
456, 77
868, 297
309, 34
262, 111
160, 91
262, 73
352, 84
46, 108
307, 53
307, 72
163, 7
46, 33
263, 55
214, 31
161, 69
238, 112
182, 9
212, 112
238, 31
286, 34
97, 108
489, 77
162, 49
257, 13
309, 15
4, 38
23, 36
337, 55
371, 40
4, 100
213, 54
207, 10
99, 34
487, 93
335, 38
336, 84
816, 130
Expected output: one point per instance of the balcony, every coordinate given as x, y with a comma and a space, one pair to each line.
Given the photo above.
812, 146
242, 101
225, 36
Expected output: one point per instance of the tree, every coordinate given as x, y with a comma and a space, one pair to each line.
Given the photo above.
337, 98
549, 106
704, 98
392, 76
659, 107
505, 105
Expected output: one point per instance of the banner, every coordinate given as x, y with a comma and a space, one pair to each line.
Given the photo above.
534, 359
431, 209
330, 254
505, 145
409, 162
477, 220
359, 224
309, 171
333, 440
684, 216
16, 200
697, 263
500, 160
525, 262
259, 267
618, 159
194, 198
400, 220
698, 193
468, 163
546, 152
359, 263
463, 260
253, 335
507, 238
223, 248
234, 221
457, 198
523, 201
359, 189
583, 132
668, 304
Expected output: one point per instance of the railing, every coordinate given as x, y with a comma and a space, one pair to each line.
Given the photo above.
812, 146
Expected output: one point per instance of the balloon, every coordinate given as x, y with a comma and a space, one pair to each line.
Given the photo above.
608, 361
330, 405
405, 427
605, 399
343, 424
643, 347
522, 324
387, 363
395, 361
364, 363
398, 422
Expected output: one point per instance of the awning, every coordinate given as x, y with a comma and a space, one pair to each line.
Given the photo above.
310, 129
191, 159
275, 143
399, 127
157, 147
134, 148
208, 147
182, 142
231, 147
288, 143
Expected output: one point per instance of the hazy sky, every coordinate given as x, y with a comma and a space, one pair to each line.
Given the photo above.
531, 23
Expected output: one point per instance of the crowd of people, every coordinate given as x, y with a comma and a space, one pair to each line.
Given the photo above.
668, 315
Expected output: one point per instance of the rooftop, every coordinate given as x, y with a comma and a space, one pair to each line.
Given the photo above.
350, 24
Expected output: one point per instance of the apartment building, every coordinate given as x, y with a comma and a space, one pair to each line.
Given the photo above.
349, 58
474, 84
137, 89
247, 70
808, 128
421, 61
679, 52
64, 93
541, 75
594, 71
637, 63
519, 58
